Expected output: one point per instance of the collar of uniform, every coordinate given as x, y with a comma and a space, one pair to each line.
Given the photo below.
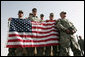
34, 16
21, 18
62, 18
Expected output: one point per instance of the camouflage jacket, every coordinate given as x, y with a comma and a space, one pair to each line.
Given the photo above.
63, 24
35, 18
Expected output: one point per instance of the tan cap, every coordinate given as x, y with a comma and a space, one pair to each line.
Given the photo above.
20, 11
34, 9
30, 14
41, 15
51, 14
63, 12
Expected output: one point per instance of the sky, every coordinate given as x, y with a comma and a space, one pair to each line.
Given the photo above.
74, 9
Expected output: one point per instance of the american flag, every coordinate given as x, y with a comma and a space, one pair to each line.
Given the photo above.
24, 33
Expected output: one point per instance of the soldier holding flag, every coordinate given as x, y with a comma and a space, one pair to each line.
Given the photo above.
67, 39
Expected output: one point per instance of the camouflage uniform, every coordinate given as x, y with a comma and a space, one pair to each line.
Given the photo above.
41, 16
40, 51
19, 51
47, 51
81, 44
56, 50
35, 18
29, 51
30, 16
11, 52
67, 40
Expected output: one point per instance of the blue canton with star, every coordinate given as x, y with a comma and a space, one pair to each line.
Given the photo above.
20, 25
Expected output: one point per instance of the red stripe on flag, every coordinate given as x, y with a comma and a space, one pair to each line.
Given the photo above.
19, 40
42, 24
22, 46
34, 27
40, 32
32, 36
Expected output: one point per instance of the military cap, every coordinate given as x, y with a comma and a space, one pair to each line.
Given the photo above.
34, 9
42, 15
63, 12
30, 14
20, 11
51, 14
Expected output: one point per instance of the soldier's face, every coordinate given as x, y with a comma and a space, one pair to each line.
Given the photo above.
63, 16
34, 12
51, 18
20, 14
30, 15
42, 18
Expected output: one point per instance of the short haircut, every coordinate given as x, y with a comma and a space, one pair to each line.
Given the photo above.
34, 9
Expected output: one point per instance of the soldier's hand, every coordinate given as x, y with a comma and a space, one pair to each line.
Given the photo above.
67, 31
73, 31
10, 19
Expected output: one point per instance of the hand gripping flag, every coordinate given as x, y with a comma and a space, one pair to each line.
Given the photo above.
24, 33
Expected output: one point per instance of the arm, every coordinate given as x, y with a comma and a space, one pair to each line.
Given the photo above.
74, 29
9, 20
60, 26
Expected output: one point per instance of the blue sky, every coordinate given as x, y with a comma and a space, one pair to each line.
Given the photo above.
74, 9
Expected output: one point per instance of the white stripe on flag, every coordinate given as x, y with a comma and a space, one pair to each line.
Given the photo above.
34, 33
30, 43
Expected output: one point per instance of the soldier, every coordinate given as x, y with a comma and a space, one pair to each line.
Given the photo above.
51, 16
20, 15
81, 44
30, 51
30, 16
11, 52
50, 50
35, 17
67, 30
38, 50
16, 51
54, 49
42, 17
